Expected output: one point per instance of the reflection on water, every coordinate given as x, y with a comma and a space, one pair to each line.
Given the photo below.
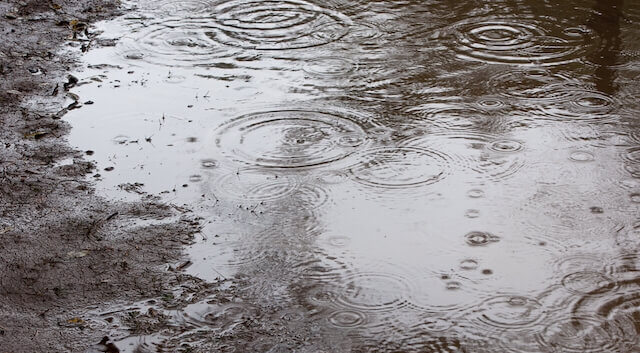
415, 176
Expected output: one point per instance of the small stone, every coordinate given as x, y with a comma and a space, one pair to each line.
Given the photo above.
11, 16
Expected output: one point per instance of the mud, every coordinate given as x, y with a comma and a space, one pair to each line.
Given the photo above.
63, 249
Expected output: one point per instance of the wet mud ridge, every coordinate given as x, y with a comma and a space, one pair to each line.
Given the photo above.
302, 176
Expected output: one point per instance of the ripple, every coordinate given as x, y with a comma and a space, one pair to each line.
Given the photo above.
490, 103
579, 262
475, 193
195, 178
472, 213
400, 167
365, 33
588, 283
532, 85
252, 184
583, 334
433, 324
331, 66
506, 311
519, 41
217, 316
582, 156
373, 291
347, 318
176, 7
338, 241
633, 155
277, 24
468, 264
470, 150
506, 146
289, 138
307, 197
209, 163
174, 43
476, 238
450, 117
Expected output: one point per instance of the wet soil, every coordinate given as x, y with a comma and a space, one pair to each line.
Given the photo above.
62, 248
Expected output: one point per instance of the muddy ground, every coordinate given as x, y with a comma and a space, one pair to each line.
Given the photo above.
62, 248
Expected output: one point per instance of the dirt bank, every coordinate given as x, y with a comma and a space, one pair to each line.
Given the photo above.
62, 248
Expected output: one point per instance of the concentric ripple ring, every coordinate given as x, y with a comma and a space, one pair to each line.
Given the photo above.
289, 138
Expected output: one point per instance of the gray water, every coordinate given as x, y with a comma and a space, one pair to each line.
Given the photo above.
383, 176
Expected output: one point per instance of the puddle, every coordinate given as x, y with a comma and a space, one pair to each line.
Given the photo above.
374, 180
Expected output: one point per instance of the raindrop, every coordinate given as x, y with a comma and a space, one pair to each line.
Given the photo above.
469, 264
472, 213
277, 25
580, 333
508, 311
289, 138
400, 167
475, 193
505, 146
588, 283
582, 156
195, 178
209, 163
347, 318
480, 238
330, 66
520, 41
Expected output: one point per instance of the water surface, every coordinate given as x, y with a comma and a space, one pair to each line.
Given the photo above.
377, 176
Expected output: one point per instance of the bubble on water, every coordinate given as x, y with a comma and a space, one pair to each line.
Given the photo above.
475, 193
209, 163
469, 264
453, 285
472, 213
289, 138
195, 178
277, 24
476, 238
121, 139
582, 156
347, 318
